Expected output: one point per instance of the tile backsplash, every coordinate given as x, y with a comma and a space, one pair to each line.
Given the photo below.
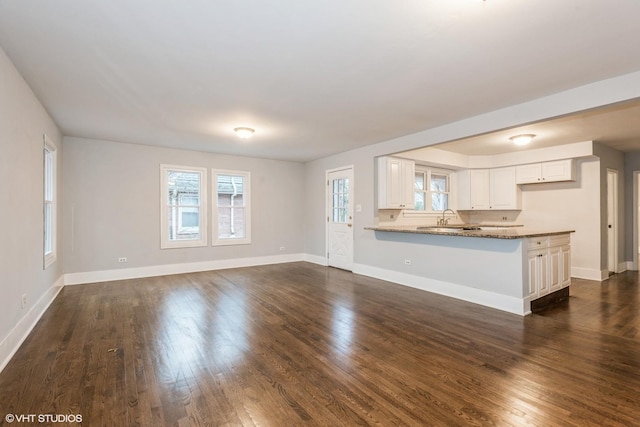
398, 217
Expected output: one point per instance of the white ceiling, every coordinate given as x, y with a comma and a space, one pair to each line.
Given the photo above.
312, 77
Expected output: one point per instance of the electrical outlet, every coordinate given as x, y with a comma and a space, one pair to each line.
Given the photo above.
407, 262
24, 300
282, 248
123, 259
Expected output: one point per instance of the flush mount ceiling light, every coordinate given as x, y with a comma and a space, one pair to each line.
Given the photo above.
523, 139
244, 132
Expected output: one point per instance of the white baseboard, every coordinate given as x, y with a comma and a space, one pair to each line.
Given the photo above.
589, 273
161, 270
520, 306
19, 333
629, 266
315, 259
622, 267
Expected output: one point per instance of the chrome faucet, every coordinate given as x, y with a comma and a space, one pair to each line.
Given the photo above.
443, 220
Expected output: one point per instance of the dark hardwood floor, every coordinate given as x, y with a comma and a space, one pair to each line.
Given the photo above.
300, 344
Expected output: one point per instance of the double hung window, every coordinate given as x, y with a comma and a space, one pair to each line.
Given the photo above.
231, 213
49, 208
183, 214
432, 189
183, 207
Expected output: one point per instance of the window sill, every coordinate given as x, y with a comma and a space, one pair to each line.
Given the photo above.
183, 244
231, 242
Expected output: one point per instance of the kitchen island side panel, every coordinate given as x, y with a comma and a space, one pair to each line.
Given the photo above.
492, 265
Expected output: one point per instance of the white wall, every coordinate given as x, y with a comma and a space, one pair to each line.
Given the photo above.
23, 121
112, 206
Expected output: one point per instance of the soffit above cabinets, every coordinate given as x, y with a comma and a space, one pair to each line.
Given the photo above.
616, 126
435, 156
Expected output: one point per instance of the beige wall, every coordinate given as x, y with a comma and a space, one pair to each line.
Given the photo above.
112, 206
23, 121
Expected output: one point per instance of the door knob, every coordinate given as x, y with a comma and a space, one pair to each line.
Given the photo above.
349, 225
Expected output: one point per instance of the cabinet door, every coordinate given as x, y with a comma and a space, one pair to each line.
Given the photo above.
408, 181
504, 193
479, 186
555, 269
395, 193
527, 174
538, 273
561, 170
395, 183
534, 274
543, 288
565, 272
463, 188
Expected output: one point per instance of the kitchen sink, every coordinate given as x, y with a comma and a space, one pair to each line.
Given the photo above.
459, 228
443, 229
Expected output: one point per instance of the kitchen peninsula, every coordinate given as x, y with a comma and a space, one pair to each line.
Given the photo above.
504, 267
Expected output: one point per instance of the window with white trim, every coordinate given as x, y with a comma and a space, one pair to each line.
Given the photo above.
232, 207
183, 204
432, 189
49, 208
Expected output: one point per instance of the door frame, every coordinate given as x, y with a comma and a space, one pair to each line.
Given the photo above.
328, 207
636, 220
612, 206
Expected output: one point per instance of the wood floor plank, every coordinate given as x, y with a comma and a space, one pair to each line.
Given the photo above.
301, 344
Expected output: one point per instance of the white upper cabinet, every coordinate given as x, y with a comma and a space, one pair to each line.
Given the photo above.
504, 192
560, 170
527, 174
395, 183
480, 186
488, 189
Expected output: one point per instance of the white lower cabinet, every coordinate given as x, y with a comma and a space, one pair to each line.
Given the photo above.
566, 265
538, 273
555, 268
549, 264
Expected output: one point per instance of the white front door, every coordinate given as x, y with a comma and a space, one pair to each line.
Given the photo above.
340, 218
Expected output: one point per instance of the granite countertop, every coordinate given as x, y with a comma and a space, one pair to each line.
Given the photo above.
493, 231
